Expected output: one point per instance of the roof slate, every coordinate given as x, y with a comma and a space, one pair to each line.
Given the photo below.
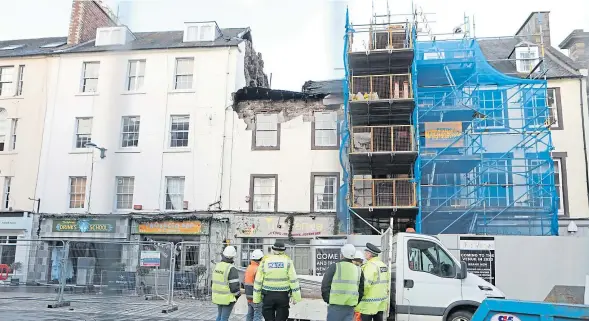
31, 47
143, 41
557, 64
334, 86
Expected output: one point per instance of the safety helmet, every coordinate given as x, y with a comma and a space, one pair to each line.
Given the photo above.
229, 252
257, 255
359, 256
348, 251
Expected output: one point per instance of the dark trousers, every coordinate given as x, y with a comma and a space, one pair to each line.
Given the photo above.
275, 306
340, 313
370, 317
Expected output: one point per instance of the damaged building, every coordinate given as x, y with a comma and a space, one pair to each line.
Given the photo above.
285, 172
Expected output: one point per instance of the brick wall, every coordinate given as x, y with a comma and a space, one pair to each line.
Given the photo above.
86, 17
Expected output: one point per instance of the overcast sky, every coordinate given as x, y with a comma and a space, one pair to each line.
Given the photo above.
299, 39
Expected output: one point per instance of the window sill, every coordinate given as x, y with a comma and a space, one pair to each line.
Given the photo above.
11, 97
88, 94
134, 93
181, 91
128, 151
81, 151
9, 152
324, 147
178, 150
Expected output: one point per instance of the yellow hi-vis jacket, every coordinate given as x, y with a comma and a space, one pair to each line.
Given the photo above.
277, 274
225, 283
376, 287
344, 285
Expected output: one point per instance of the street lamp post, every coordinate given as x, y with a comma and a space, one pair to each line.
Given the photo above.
102, 156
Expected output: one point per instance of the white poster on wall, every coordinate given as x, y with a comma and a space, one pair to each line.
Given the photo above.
479, 254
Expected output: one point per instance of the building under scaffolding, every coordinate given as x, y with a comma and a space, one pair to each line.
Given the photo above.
435, 134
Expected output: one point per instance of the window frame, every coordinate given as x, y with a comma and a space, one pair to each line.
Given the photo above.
11, 90
482, 124
6, 192
8, 241
176, 75
118, 193
187, 132
255, 132
167, 179
314, 175
19, 81
251, 192
70, 192
77, 134
12, 138
247, 246
440, 248
84, 78
560, 157
123, 132
521, 62
557, 109
136, 76
314, 146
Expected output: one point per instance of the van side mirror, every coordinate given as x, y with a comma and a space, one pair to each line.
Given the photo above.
463, 271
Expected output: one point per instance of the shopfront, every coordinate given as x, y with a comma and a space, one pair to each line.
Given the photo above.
15, 231
252, 230
96, 245
188, 236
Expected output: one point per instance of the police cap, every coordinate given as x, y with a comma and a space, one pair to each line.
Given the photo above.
372, 248
279, 246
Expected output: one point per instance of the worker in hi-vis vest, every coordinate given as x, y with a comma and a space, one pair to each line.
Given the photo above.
254, 310
376, 286
275, 282
342, 286
225, 284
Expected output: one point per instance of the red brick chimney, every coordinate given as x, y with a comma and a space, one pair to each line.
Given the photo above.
87, 16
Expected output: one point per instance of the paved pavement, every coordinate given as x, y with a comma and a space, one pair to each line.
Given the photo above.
92, 308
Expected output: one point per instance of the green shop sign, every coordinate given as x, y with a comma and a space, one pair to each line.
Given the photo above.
84, 226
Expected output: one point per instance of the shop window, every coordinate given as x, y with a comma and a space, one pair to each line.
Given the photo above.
7, 249
248, 245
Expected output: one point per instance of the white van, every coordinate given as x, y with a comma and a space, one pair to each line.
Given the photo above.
429, 283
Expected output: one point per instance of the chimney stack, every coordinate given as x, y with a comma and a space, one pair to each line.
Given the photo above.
577, 42
538, 23
86, 17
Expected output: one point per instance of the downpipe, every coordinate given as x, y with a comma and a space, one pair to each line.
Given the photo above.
581, 90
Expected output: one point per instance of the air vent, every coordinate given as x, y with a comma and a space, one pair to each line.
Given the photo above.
11, 47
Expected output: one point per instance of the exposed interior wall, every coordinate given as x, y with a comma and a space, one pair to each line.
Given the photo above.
254, 67
287, 110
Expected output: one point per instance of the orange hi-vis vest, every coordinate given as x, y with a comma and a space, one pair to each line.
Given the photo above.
248, 281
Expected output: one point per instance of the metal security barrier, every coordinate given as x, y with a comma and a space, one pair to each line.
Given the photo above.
116, 274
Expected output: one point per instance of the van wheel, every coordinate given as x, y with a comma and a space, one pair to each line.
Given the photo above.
460, 315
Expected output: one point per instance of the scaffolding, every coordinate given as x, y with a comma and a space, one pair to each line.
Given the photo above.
434, 134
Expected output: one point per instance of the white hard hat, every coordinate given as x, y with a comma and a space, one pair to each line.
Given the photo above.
229, 252
257, 255
359, 255
348, 251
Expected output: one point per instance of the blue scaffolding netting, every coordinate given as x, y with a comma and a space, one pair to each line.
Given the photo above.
484, 164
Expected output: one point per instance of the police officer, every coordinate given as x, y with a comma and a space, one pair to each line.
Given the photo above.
342, 286
275, 280
376, 286
225, 284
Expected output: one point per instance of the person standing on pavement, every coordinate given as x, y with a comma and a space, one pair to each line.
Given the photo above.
342, 286
358, 258
225, 284
254, 310
376, 286
275, 281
